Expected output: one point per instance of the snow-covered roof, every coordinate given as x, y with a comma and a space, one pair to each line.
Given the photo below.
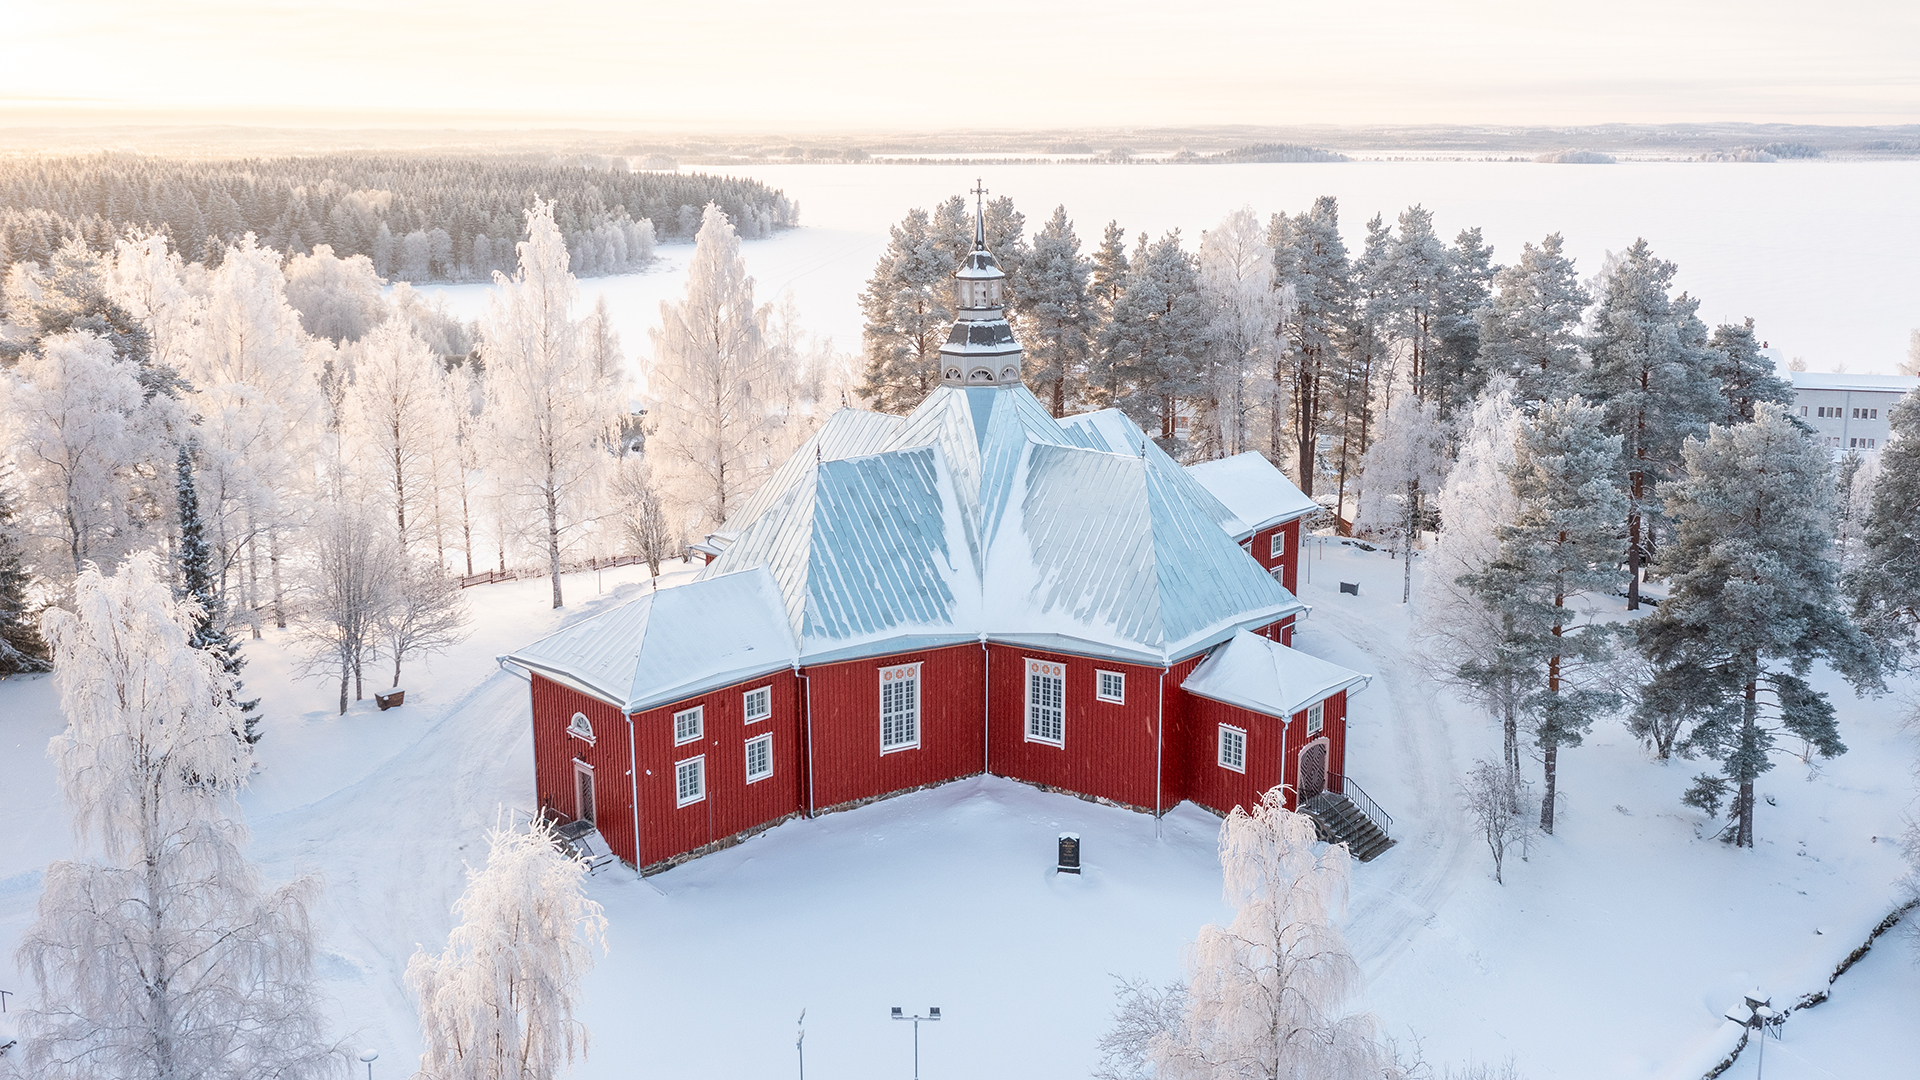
1259, 495
1268, 677
668, 645
1828, 380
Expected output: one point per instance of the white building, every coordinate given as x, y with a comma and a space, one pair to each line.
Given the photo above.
1849, 412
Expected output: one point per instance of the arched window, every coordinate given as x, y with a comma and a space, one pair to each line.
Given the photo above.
581, 728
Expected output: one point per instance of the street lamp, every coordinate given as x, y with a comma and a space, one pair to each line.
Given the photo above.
369, 1056
933, 1013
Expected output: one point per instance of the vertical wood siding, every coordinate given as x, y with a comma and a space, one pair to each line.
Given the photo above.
1108, 748
1270, 760
1289, 558
554, 752
847, 763
1178, 705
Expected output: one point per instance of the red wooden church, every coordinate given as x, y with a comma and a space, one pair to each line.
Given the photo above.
975, 587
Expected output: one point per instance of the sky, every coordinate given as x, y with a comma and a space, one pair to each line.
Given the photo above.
850, 65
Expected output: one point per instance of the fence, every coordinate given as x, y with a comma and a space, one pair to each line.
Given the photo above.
488, 577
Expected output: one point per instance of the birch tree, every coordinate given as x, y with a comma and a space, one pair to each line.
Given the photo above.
348, 594
716, 384
394, 419
551, 420
1408, 459
1235, 274
162, 958
499, 1001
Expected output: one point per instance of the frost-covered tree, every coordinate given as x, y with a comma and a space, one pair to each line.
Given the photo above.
337, 299
1501, 805
1235, 273
1530, 327
643, 517
1466, 640
551, 419
1154, 345
424, 613
1269, 994
907, 309
1746, 378
22, 650
392, 423
199, 582
499, 1001
1755, 601
1056, 314
1653, 375
1469, 289
1408, 460
1418, 275
72, 293
348, 594
1556, 553
1884, 588
163, 958
150, 281
1310, 265
601, 344
716, 384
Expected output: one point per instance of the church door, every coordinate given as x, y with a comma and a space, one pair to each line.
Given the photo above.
583, 792
1313, 770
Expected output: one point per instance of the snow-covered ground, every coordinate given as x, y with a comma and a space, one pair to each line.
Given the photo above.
1845, 228
1613, 952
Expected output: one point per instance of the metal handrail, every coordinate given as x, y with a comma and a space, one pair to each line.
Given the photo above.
1363, 802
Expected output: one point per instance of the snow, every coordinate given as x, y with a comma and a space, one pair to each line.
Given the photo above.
1848, 228
1259, 495
1267, 677
1611, 953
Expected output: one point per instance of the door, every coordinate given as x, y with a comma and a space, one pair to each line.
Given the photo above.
1313, 770
583, 792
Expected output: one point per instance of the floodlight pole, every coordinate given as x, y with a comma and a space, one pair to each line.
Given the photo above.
933, 1013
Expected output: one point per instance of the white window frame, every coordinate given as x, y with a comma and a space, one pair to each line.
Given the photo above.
699, 729
902, 713
698, 763
765, 694
1316, 718
1038, 728
1236, 738
765, 741
592, 808
1277, 543
581, 728
1119, 694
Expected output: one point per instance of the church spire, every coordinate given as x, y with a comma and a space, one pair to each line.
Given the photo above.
980, 350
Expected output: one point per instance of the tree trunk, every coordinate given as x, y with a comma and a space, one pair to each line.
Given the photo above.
1633, 547
466, 527
396, 667
1413, 524
279, 593
553, 542
253, 577
1749, 740
343, 687
1550, 748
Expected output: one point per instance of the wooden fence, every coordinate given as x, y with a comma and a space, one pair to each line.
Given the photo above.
488, 577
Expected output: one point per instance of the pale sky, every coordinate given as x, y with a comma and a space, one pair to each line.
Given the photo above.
980, 64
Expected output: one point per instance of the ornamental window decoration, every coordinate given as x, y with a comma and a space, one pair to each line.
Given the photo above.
899, 708
1046, 702
581, 728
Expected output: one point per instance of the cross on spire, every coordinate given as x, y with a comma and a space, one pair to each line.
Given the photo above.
979, 214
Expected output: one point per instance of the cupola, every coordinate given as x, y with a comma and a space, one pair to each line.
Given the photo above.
980, 349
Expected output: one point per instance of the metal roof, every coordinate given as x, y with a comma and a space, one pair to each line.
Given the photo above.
1267, 677
1871, 384
1258, 494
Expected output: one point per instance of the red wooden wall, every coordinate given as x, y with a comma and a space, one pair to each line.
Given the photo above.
847, 763
1270, 760
1289, 556
554, 752
1109, 747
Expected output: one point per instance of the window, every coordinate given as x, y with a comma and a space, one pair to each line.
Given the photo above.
1277, 544
690, 780
689, 725
580, 727
1873, 414
1803, 410
1110, 686
583, 804
1046, 702
1233, 749
759, 704
1316, 717
759, 758
899, 708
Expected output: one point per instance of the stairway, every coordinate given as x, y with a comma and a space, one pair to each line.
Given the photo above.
1341, 821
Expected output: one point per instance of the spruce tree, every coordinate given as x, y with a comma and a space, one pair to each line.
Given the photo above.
1530, 328
1652, 373
199, 581
21, 648
1558, 550
1746, 378
1885, 587
1055, 314
1158, 337
1756, 599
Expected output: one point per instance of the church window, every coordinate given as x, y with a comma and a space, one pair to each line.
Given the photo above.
1277, 544
1110, 686
759, 758
1046, 702
1316, 717
690, 780
1233, 748
581, 728
899, 708
759, 704
689, 725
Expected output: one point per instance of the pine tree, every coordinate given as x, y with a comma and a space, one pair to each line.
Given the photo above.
1558, 550
1756, 600
1365, 348
198, 581
1530, 328
1157, 339
1746, 378
1310, 259
907, 307
1653, 375
1419, 276
1109, 272
1469, 285
1884, 587
1056, 314
21, 648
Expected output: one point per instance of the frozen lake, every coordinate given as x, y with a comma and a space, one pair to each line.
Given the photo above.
1821, 254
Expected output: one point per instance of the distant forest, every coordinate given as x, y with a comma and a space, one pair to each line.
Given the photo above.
419, 218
